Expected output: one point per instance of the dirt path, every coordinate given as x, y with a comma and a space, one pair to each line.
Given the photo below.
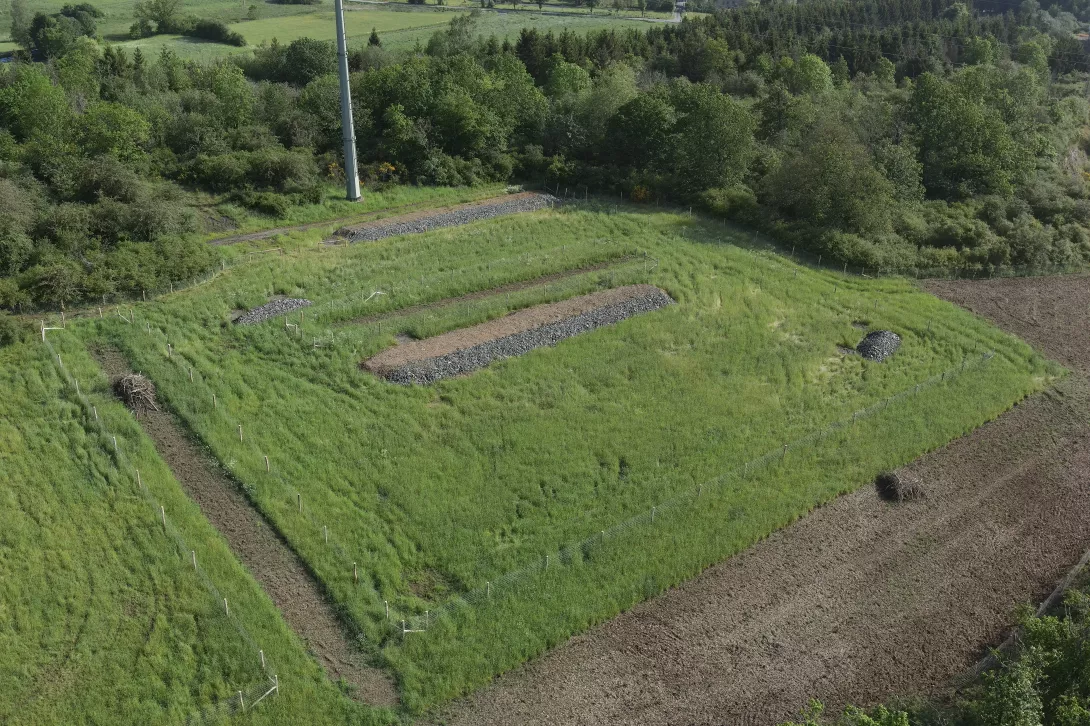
862, 600
490, 292
516, 322
268, 558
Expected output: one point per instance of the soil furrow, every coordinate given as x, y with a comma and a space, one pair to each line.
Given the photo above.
255, 542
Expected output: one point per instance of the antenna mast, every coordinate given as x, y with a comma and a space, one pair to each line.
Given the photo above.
348, 129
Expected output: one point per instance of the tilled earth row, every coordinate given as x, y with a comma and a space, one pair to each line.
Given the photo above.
452, 217
862, 600
273, 564
466, 350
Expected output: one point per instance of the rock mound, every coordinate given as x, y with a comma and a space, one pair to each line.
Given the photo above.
879, 345
271, 310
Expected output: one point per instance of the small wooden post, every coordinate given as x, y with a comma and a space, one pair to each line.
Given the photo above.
819, 260
163, 514
241, 702
193, 555
355, 573
387, 604
62, 318
170, 350
652, 515
299, 500
190, 375
785, 451
139, 482
172, 286
266, 463
240, 432
325, 533
144, 295
261, 654
95, 409
427, 619
115, 443
226, 610
100, 312
214, 404
546, 562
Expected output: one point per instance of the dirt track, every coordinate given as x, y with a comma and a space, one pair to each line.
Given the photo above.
862, 600
272, 563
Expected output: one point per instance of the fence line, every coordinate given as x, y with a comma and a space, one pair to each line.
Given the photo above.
412, 622
649, 516
253, 693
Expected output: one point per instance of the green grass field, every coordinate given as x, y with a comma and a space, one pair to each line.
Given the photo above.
438, 491
400, 27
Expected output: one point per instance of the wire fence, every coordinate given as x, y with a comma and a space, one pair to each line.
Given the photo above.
246, 697
349, 557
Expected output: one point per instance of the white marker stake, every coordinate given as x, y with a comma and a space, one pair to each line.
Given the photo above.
266, 463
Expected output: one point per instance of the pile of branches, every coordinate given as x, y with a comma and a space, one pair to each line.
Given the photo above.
894, 488
136, 392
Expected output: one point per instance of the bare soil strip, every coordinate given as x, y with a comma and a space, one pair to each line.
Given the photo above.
862, 600
268, 558
490, 292
516, 322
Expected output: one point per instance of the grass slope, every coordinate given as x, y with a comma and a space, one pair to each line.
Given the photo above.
101, 619
436, 491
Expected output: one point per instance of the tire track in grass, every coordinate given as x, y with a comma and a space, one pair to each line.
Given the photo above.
275, 566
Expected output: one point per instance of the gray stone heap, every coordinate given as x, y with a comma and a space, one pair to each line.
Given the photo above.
271, 310
879, 345
470, 359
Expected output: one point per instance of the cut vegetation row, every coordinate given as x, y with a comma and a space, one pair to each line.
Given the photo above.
452, 217
253, 540
488, 293
466, 350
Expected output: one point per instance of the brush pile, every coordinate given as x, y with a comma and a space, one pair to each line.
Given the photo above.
894, 488
136, 392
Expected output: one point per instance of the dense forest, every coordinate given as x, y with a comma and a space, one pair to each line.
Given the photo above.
879, 133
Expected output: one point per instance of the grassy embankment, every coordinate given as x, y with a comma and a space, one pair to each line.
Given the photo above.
435, 491
102, 620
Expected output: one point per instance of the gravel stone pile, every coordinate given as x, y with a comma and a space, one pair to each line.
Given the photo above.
452, 218
879, 345
271, 310
478, 356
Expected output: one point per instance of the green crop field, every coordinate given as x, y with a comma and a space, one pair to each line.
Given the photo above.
400, 27
437, 492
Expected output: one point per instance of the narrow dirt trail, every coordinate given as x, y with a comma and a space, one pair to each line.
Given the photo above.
862, 600
273, 564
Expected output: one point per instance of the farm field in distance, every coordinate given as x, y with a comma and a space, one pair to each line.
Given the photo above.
435, 492
401, 27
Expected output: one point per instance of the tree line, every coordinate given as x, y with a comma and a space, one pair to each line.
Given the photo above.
881, 133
